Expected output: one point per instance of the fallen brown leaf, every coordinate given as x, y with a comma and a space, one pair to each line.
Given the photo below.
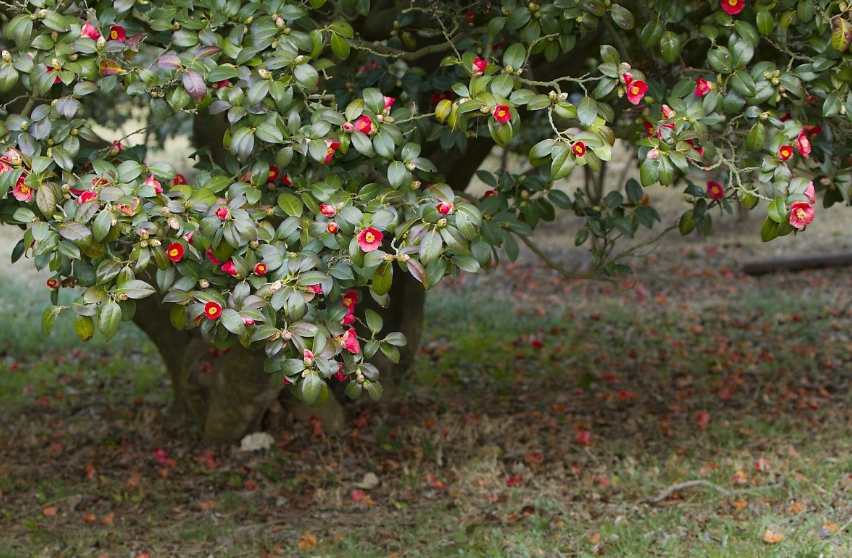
796, 507
209, 505
594, 538
108, 519
307, 542
50, 511
89, 518
771, 537
739, 505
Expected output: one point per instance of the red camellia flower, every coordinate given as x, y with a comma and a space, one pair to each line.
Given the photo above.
350, 341
364, 124
715, 190
179, 180
331, 147
732, 7
260, 269
86, 196
691, 143
213, 259
212, 310
90, 32
389, 101
230, 268
273, 174
479, 66
636, 90
188, 237
175, 251
810, 192
438, 97
154, 183
222, 84
332, 228
649, 129
369, 239
248, 321
445, 208
803, 144
350, 298
502, 114
489, 193
327, 210
21, 191
801, 215
286, 180
626, 78
579, 149
53, 284
702, 87
51, 69
785, 152
222, 213
117, 33
339, 374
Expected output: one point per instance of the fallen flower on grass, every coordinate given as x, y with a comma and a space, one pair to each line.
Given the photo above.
771, 537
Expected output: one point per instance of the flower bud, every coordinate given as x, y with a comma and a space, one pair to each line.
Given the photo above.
174, 223
7, 56
442, 222
155, 242
203, 283
254, 244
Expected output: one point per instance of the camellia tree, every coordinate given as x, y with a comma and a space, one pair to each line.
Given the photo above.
335, 143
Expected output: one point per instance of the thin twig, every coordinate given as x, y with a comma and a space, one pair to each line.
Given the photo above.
707, 484
562, 270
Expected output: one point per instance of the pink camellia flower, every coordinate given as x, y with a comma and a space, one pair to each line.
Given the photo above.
212, 310
803, 144
175, 251
117, 33
479, 66
364, 124
349, 318
636, 91
801, 214
332, 228
21, 191
732, 7
222, 213
668, 112
702, 87
662, 130
331, 147
389, 101
317, 289
348, 127
350, 341
210, 256
260, 269
4, 166
90, 32
579, 149
502, 114
445, 208
327, 210
350, 298
626, 78
86, 196
715, 190
154, 183
810, 192
188, 237
308, 357
127, 209
230, 268
222, 84
369, 239
248, 321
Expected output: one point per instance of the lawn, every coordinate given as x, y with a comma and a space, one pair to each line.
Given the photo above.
543, 417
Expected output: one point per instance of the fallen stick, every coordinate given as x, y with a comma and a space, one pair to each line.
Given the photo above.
798, 264
707, 484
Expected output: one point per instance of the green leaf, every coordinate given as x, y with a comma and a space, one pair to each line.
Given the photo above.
430, 247
587, 111
84, 327
101, 226
514, 56
374, 321
48, 317
621, 16
109, 319
383, 279
769, 230
232, 321
306, 76
777, 209
291, 204
374, 389
311, 388
670, 46
134, 289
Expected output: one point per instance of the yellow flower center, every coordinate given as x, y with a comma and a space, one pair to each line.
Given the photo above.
733, 3
25, 190
800, 213
370, 237
212, 310
330, 151
634, 90
113, 34
174, 252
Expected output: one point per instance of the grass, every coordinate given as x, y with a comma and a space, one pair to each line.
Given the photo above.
539, 419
